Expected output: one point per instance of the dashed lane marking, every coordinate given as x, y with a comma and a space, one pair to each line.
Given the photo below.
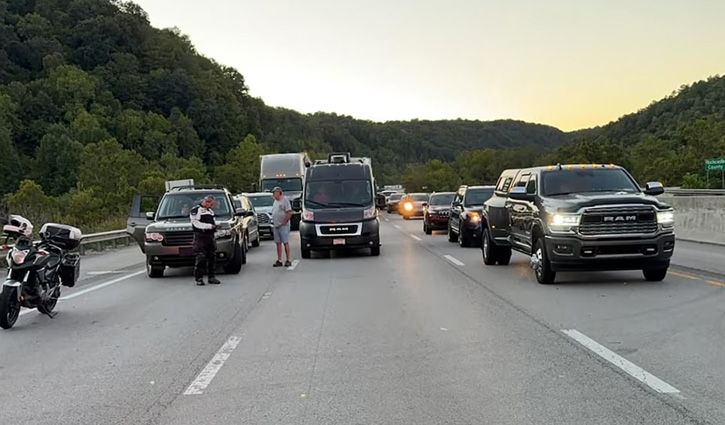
213, 367
630, 368
294, 264
416, 238
453, 260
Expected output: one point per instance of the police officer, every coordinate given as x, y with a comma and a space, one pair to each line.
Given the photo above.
202, 222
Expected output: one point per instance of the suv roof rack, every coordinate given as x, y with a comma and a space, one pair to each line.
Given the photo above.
198, 187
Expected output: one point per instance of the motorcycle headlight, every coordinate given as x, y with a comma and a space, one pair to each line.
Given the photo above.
666, 218
564, 222
18, 257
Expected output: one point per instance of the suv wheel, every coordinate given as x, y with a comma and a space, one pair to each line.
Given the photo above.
541, 265
426, 229
488, 249
234, 266
463, 239
655, 275
154, 271
452, 237
255, 242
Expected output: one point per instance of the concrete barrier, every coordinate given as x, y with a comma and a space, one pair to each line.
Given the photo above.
698, 218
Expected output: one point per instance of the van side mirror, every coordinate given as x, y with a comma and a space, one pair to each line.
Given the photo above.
150, 215
519, 194
297, 204
255, 187
654, 189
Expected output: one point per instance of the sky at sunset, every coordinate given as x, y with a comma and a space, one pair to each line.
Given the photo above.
568, 63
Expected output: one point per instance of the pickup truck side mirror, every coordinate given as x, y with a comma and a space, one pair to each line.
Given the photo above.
150, 215
519, 194
654, 189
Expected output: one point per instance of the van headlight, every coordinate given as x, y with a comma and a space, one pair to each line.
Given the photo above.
308, 215
666, 218
370, 212
564, 222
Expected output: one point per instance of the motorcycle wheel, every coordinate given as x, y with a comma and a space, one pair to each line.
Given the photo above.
9, 307
49, 306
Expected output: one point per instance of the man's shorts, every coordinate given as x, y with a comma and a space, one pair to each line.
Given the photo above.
281, 234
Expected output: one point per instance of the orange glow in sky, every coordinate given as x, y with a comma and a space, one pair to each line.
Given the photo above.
568, 63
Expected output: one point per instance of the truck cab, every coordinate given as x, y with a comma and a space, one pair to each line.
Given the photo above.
286, 171
578, 218
338, 207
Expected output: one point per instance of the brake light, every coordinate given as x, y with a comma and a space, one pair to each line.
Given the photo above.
154, 237
18, 257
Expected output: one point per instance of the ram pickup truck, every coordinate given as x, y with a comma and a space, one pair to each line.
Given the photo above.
578, 218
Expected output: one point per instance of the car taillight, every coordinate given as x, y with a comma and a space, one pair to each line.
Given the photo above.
18, 257
370, 213
308, 215
154, 237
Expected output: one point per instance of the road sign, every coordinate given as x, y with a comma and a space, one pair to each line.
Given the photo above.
715, 164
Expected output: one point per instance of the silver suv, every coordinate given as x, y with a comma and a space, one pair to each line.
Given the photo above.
165, 235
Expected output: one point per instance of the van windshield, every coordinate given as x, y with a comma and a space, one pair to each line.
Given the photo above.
338, 193
178, 205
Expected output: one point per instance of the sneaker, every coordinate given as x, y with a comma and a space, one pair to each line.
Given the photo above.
277, 264
200, 282
214, 281
288, 263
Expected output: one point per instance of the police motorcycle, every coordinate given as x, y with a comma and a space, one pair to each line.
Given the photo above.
37, 270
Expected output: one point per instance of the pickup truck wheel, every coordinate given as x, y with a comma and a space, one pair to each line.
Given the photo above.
452, 237
503, 255
488, 249
655, 275
541, 264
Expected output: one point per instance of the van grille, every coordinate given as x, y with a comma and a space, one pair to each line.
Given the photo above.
338, 229
178, 238
618, 221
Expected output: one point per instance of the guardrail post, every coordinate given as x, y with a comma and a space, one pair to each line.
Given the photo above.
99, 246
82, 249
113, 244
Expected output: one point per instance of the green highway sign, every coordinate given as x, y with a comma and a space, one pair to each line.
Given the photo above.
715, 164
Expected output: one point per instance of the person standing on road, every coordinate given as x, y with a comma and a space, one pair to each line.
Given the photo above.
204, 227
281, 215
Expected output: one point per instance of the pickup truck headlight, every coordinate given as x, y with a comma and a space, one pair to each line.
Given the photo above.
666, 218
564, 222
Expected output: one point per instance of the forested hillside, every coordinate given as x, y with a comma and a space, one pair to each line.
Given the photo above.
95, 105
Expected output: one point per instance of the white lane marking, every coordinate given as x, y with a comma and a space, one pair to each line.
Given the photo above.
386, 219
416, 238
266, 295
396, 226
294, 264
102, 285
105, 272
444, 329
632, 369
212, 368
453, 260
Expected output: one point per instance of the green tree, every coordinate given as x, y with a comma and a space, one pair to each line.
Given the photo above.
242, 167
57, 160
32, 203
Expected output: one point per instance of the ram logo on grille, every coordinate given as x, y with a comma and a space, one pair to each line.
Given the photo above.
619, 218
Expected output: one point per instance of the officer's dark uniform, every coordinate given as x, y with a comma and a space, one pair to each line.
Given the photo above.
202, 222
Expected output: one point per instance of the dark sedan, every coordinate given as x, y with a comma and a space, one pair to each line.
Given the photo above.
438, 211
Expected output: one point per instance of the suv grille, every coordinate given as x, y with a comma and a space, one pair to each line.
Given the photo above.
618, 221
263, 218
178, 238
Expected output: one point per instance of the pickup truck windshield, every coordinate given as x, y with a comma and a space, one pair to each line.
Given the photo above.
564, 182
442, 199
395, 196
262, 201
291, 185
178, 205
338, 194
418, 197
476, 197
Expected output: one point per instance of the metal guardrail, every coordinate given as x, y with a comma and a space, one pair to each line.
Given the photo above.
676, 191
96, 240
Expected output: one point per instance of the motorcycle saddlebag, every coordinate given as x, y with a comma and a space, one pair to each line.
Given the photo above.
64, 236
70, 269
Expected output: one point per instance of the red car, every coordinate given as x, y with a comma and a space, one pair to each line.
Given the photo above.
437, 212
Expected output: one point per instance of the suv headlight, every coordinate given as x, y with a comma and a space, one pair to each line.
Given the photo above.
154, 237
473, 217
223, 233
666, 218
564, 222
370, 212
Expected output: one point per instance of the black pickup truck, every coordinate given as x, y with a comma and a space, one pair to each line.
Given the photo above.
578, 218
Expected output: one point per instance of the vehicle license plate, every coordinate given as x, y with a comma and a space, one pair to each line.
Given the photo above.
338, 241
186, 251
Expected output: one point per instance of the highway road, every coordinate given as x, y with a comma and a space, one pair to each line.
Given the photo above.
423, 334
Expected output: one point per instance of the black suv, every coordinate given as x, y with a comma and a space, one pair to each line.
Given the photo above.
578, 217
464, 224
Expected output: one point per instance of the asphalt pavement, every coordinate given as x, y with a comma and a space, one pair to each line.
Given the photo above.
423, 334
